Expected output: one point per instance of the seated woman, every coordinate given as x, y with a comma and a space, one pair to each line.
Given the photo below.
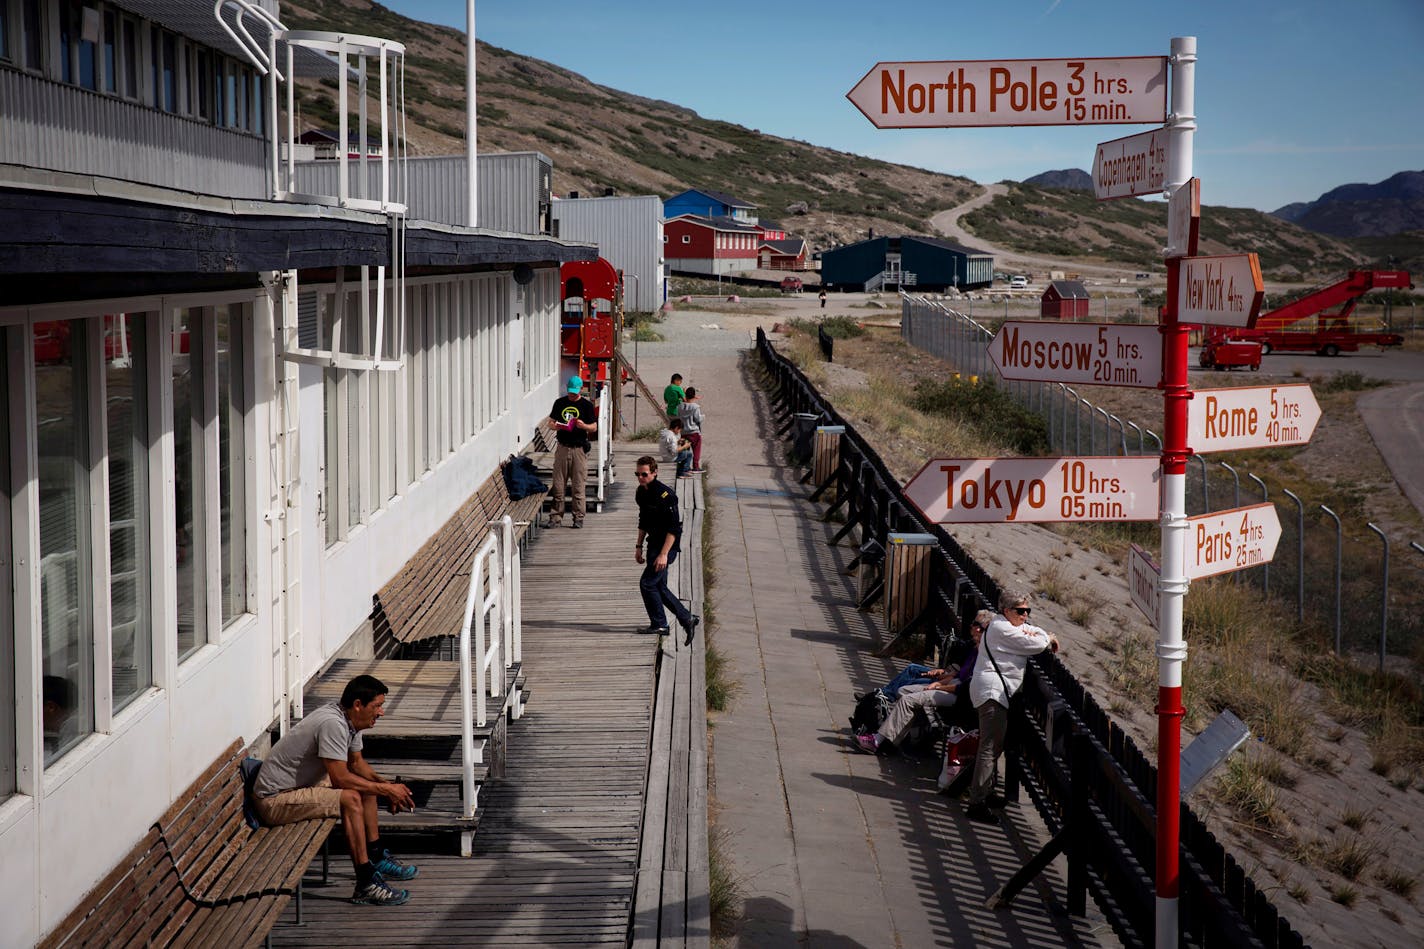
942, 692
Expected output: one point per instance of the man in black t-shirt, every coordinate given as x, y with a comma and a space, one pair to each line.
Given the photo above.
661, 525
575, 419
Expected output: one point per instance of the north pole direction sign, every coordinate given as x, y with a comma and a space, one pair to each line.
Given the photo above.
1232, 540
1094, 354
1142, 576
1131, 166
1036, 490
1222, 291
970, 93
1251, 417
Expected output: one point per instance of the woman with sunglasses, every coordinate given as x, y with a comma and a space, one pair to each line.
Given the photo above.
1003, 656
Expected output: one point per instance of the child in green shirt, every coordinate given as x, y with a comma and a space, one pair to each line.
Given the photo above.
673, 394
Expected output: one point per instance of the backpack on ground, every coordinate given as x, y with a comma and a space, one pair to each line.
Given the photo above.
871, 710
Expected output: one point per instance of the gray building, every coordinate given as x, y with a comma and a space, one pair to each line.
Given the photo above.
629, 235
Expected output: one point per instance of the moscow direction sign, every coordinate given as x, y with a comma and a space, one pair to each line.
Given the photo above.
1094, 354
1036, 490
1231, 540
1142, 576
1132, 90
1131, 166
1251, 417
1222, 291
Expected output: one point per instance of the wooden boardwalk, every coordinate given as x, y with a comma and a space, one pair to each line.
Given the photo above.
556, 856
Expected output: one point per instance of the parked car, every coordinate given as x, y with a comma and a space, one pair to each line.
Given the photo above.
1018, 283
790, 284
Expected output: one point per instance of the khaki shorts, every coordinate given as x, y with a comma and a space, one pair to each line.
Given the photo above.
288, 807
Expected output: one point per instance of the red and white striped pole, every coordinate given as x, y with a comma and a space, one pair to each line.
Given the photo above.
1171, 647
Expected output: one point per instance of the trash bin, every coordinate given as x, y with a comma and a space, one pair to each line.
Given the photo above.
907, 579
827, 456
802, 434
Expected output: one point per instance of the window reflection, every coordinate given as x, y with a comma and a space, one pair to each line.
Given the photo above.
232, 486
130, 563
7, 603
187, 483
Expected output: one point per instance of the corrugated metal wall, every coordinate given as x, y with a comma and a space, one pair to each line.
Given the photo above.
629, 235
55, 127
514, 188
855, 263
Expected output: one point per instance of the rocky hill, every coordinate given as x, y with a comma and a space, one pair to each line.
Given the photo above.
1069, 179
1387, 207
600, 138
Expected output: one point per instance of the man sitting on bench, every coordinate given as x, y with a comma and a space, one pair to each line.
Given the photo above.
317, 770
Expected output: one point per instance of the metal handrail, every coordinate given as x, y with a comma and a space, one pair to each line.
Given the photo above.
605, 442
472, 692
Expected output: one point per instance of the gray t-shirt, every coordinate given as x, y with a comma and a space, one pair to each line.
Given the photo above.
296, 760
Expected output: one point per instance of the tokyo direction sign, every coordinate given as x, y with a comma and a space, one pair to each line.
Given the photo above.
1251, 417
1223, 291
1142, 576
1232, 540
1094, 354
1135, 165
967, 93
1036, 490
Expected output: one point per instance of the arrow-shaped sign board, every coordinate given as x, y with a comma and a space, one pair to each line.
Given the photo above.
1222, 291
1251, 417
1184, 219
1036, 490
1131, 166
1232, 540
1093, 354
967, 93
1142, 576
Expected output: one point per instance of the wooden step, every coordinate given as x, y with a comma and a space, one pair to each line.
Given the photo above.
440, 811
425, 770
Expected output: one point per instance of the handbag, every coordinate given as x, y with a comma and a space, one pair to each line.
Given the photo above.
960, 748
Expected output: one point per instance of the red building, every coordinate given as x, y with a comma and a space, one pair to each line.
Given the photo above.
1065, 300
710, 245
788, 254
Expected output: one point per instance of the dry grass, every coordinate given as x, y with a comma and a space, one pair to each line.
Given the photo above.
1344, 894
1244, 789
1348, 856
1397, 881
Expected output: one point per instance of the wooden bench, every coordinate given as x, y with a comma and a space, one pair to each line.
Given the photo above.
426, 597
200, 876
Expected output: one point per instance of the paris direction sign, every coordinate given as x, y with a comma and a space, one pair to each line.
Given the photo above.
1131, 166
1222, 291
1093, 354
1036, 490
1086, 91
1142, 576
1232, 540
1251, 417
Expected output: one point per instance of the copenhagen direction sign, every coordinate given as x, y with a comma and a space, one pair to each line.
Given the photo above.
1131, 166
1099, 354
1142, 576
1251, 417
955, 94
1232, 540
1223, 291
1036, 490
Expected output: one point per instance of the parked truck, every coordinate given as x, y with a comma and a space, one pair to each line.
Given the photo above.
1318, 322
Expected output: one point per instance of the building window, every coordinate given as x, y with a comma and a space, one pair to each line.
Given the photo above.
66, 577
130, 66
232, 460
687, 239
130, 560
33, 23
188, 482
7, 602
4, 55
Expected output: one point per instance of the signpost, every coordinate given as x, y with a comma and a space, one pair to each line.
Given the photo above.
1131, 166
1184, 220
1142, 583
1232, 540
1251, 417
1035, 490
1099, 354
1014, 92
1223, 291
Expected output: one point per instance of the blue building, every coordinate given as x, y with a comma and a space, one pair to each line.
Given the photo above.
924, 263
712, 204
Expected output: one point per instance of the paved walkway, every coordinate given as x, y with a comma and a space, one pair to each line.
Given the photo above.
1395, 418
832, 848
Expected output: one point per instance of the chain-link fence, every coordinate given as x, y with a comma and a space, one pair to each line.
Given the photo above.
1364, 587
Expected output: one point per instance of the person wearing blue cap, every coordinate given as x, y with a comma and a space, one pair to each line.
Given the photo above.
575, 418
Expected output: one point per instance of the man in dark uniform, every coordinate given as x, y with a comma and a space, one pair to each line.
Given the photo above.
575, 418
660, 524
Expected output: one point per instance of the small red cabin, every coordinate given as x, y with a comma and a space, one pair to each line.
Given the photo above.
1065, 300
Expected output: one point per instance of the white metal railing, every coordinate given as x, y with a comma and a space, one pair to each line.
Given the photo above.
605, 443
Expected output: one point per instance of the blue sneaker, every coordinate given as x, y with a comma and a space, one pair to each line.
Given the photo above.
377, 893
393, 868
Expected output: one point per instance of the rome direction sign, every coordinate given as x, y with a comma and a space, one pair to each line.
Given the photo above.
1036, 490
1131, 90
1251, 417
1099, 354
1232, 540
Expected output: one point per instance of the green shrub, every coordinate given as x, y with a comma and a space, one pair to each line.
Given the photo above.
987, 409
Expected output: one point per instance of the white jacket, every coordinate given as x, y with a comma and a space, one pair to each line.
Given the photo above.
1010, 646
667, 444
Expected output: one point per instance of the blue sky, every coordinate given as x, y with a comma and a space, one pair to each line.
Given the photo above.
1293, 98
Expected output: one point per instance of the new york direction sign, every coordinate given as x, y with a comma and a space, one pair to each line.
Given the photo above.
1094, 354
1131, 166
1251, 417
969, 93
1036, 490
1222, 291
1232, 540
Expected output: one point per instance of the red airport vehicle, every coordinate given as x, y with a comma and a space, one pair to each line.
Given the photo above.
1229, 354
592, 294
1287, 329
